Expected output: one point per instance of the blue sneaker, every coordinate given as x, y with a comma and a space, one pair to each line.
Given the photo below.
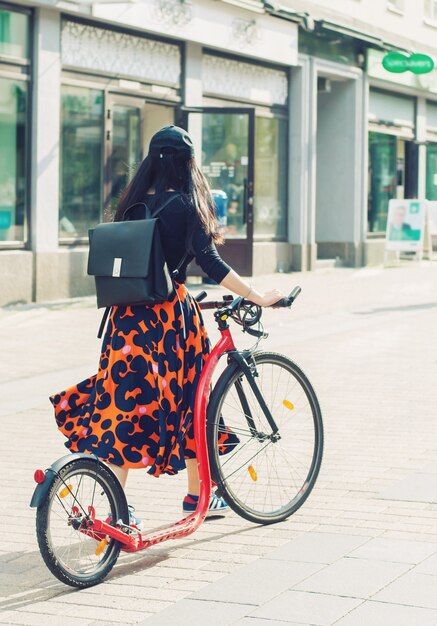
217, 506
136, 522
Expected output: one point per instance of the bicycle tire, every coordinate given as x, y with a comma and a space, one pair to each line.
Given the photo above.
118, 508
219, 414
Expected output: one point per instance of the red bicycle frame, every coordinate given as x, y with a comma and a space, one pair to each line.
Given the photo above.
133, 543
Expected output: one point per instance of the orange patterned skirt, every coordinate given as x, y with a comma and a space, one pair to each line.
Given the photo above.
137, 411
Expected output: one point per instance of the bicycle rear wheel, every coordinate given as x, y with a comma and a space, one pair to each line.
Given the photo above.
81, 488
264, 478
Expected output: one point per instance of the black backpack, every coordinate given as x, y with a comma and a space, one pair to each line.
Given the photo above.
127, 262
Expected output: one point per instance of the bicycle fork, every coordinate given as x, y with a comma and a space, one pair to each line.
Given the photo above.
241, 359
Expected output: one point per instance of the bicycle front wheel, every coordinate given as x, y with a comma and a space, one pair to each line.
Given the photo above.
265, 477
83, 488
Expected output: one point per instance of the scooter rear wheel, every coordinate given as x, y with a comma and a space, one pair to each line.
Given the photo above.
81, 489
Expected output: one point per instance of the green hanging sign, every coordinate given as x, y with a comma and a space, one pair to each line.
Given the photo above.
397, 63
420, 64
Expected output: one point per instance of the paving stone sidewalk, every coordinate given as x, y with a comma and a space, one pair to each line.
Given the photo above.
363, 549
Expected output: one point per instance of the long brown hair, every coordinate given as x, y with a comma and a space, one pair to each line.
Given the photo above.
177, 173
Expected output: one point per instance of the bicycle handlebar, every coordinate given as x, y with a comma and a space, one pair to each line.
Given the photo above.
242, 311
232, 303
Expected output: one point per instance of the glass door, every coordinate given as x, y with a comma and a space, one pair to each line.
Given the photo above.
224, 144
124, 147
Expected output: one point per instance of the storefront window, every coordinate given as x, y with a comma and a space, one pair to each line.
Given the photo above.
383, 179
13, 142
14, 34
81, 161
270, 177
431, 172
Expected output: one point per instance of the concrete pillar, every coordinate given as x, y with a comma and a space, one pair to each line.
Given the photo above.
363, 125
312, 166
302, 165
46, 107
339, 201
193, 91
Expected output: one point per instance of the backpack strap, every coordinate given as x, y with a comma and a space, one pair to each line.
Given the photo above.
148, 210
103, 322
175, 272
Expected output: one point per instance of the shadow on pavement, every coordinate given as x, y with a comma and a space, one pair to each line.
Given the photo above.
25, 579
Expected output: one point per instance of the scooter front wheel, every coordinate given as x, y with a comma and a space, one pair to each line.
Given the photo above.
83, 490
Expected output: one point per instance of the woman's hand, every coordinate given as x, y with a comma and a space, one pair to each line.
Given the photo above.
265, 299
239, 286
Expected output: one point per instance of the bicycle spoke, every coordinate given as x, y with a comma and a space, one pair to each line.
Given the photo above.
75, 550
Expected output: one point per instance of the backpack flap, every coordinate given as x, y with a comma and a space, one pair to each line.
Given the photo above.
122, 249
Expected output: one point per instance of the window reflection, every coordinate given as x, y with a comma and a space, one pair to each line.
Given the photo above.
431, 172
383, 179
126, 148
225, 161
270, 177
14, 34
81, 160
13, 142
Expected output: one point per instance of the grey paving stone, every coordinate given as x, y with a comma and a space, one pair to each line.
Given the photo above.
308, 608
257, 621
198, 613
314, 547
429, 566
419, 487
358, 578
395, 550
368, 449
412, 589
257, 582
430, 468
25, 618
383, 614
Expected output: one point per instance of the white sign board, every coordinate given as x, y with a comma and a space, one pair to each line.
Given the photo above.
405, 225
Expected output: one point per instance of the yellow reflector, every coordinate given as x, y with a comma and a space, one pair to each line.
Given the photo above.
65, 491
224, 317
101, 546
252, 472
288, 405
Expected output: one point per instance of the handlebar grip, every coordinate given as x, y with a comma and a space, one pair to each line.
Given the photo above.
283, 302
200, 296
287, 302
293, 295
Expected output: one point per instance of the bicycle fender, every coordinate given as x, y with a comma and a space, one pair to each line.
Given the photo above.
42, 489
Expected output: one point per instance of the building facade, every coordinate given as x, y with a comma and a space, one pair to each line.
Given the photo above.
302, 133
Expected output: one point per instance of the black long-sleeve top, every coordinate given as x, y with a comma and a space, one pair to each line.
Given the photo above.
176, 221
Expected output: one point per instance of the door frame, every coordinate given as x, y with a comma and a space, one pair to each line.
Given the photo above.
237, 250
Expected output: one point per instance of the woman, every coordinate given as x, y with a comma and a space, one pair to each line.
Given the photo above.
137, 411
